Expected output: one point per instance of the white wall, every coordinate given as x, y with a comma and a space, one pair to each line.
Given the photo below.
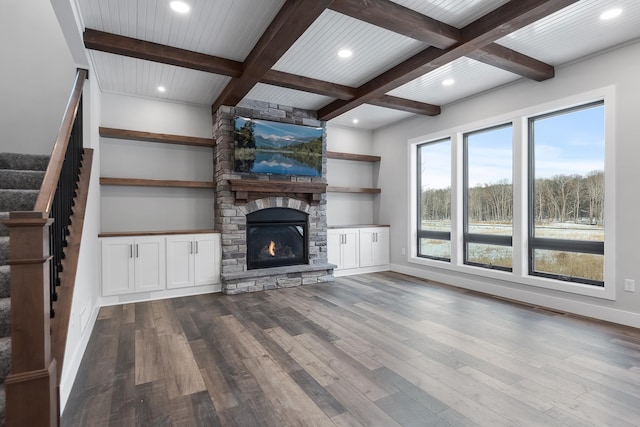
620, 68
37, 75
155, 208
350, 208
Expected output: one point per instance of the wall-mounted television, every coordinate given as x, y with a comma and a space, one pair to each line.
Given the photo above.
266, 147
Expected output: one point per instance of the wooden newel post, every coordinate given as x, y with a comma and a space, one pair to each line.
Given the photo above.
31, 386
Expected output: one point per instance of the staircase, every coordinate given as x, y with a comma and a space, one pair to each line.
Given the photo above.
20, 179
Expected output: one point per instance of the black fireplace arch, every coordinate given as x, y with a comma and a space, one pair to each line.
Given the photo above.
276, 237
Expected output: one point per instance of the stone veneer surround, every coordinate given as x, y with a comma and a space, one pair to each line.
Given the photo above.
230, 213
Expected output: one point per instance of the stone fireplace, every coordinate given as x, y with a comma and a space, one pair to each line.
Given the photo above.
273, 228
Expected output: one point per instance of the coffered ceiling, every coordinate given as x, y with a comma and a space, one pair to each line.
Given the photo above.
286, 51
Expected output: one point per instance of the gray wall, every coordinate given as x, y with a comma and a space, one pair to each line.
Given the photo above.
618, 67
350, 208
37, 75
155, 208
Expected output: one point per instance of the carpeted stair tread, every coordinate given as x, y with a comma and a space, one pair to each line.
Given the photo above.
5, 282
4, 231
17, 200
5, 317
23, 161
5, 357
4, 250
3, 404
21, 179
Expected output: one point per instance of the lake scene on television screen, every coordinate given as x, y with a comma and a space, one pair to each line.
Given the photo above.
267, 147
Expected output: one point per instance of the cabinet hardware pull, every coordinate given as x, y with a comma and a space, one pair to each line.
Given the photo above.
130, 251
137, 251
190, 248
196, 246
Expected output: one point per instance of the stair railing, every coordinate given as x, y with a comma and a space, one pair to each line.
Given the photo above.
36, 251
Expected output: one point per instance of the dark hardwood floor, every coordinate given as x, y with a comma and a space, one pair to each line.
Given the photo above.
378, 349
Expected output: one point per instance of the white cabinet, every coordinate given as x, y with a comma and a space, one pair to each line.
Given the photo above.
358, 249
374, 246
343, 247
193, 260
133, 265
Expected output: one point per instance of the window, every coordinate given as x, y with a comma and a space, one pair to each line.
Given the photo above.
566, 196
520, 197
488, 198
434, 200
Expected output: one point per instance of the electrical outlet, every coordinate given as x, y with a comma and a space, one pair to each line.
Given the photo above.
404, 251
629, 285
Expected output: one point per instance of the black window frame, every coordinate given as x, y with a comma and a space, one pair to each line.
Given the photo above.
545, 243
428, 234
474, 237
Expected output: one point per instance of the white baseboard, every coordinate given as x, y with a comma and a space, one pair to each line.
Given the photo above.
156, 295
567, 305
72, 364
363, 270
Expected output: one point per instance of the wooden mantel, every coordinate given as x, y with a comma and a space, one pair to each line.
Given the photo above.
242, 188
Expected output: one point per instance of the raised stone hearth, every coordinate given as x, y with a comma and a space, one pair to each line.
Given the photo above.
238, 194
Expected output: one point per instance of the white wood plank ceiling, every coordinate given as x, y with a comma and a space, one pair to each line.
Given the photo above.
230, 29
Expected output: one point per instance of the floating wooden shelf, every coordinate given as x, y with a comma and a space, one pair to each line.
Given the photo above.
350, 156
154, 233
156, 183
156, 137
242, 187
353, 190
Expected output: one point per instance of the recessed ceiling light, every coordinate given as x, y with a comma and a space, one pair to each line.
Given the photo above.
345, 53
448, 82
180, 6
162, 89
611, 13
355, 121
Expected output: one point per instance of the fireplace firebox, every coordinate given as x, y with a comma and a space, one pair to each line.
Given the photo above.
276, 237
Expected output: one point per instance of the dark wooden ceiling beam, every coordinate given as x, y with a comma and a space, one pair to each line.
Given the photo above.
307, 84
140, 49
399, 19
508, 18
405, 21
497, 24
396, 103
293, 19
515, 62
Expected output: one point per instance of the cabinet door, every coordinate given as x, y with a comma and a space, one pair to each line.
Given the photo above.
367, 243
206, 259
350, 248
381, 247
180, 271
150, 274
334, 249
117, 266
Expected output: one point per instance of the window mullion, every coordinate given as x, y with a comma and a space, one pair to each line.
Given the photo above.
457, 194
520, 197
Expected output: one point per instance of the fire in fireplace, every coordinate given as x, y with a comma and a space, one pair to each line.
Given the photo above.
276, 237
